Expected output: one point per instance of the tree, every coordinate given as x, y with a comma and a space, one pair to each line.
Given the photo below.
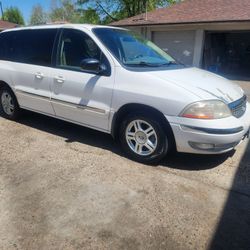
119, 9
13, 15
68, 11
38, 16
89, 16
101, 11
132, 8
104, 8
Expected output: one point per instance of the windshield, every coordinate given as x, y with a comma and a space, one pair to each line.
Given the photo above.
131, 49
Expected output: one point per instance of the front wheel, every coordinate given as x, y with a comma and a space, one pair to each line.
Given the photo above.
143, 139
9, 107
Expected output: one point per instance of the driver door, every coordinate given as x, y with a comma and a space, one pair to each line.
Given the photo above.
79, 96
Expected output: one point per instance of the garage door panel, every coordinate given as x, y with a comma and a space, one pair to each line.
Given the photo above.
179, 44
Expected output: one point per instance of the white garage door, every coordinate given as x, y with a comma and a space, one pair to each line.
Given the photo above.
179, 44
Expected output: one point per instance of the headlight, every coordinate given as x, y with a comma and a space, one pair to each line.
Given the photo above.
207, 110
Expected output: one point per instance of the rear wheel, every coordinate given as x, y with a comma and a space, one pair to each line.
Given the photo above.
143, 138
9, 107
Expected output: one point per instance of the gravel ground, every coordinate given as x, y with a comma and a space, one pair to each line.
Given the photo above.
67, 187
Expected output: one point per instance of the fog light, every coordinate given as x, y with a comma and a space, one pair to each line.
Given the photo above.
202, 146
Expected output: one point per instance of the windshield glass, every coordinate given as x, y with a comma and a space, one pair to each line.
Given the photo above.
131, 49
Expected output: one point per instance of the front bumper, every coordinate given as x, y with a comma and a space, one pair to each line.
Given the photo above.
209, 136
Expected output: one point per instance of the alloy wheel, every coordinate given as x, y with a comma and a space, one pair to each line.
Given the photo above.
141, 137
7, 103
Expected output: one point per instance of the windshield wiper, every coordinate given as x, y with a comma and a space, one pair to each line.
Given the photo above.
169, 63
144, 64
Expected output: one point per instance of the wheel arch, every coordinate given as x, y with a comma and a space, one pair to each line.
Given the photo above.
140, 108
5, 84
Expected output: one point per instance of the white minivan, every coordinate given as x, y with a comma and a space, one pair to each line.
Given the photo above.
113, 80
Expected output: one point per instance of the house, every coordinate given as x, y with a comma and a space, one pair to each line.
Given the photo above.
6, 25
211, 34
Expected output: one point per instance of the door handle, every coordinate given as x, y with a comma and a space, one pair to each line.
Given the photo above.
39, 75
59, 79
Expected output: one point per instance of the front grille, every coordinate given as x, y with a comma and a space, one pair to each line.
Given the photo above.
238, 107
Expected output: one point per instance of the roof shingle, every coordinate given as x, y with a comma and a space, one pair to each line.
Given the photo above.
193, 11
7, 25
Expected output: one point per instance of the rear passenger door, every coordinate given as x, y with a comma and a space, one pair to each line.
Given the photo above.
31, 61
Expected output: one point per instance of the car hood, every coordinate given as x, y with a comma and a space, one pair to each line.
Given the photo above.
203, 84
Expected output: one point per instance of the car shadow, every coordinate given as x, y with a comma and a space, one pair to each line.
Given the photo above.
76, 133
194, 162
69, 131
233, 229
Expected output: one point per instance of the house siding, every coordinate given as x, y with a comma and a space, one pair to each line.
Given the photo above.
185, 42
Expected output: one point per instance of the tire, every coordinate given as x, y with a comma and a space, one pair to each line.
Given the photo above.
143, 138
9, 107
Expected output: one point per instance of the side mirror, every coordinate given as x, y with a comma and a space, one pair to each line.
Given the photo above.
93, 66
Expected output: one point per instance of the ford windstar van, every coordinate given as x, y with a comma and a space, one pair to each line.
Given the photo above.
113, 80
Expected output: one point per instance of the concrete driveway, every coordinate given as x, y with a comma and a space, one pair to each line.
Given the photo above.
67, 187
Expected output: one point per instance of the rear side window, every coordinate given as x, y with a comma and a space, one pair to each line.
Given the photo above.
29, 46
6, 46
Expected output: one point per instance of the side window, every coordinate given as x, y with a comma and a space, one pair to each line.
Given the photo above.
74, 47
6, 46
34, 46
